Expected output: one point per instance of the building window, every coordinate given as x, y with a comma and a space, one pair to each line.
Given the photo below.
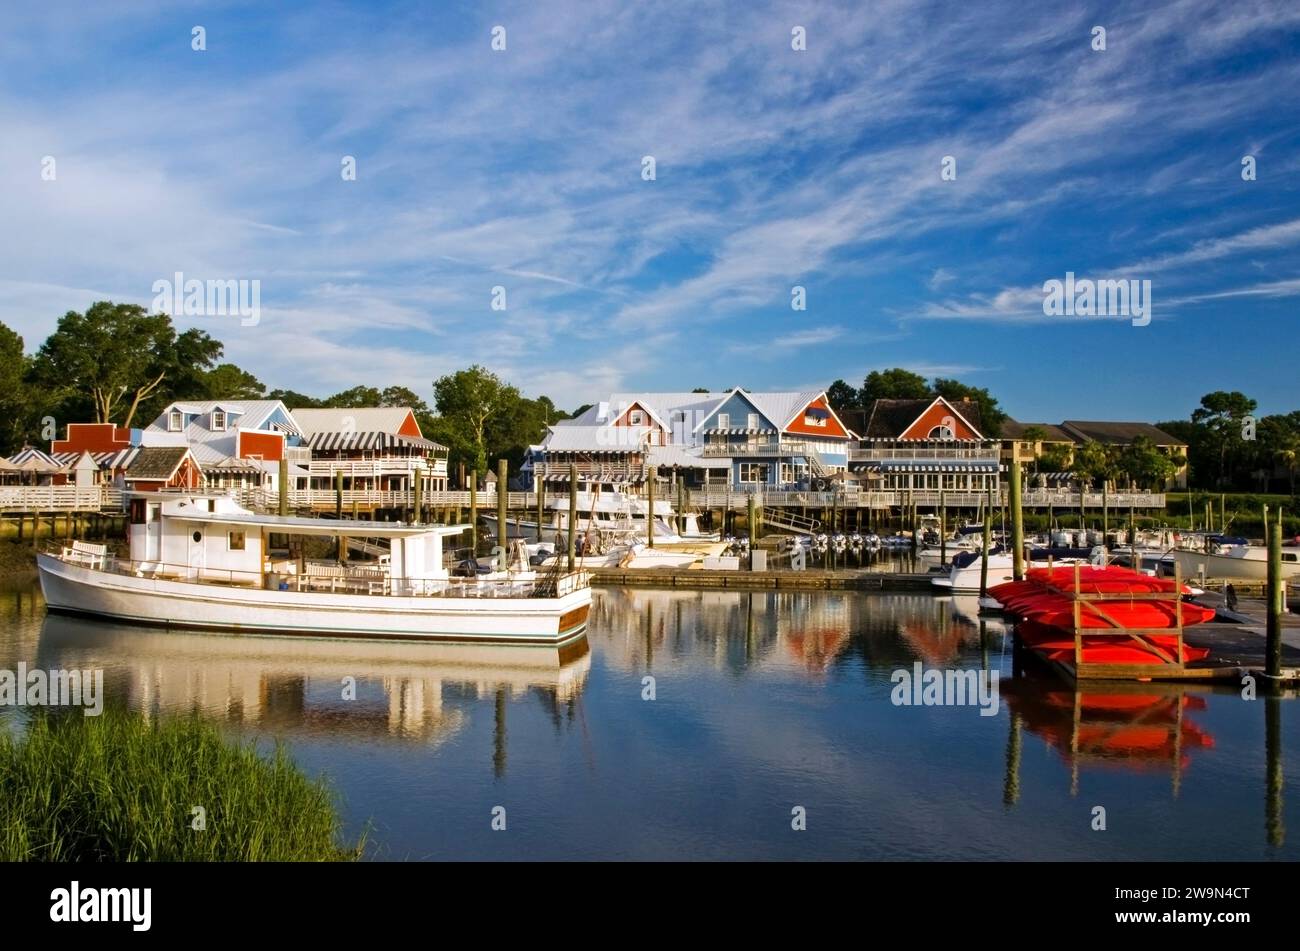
636, 417
236, 541
219, 420
754, 473
724, 420
813, 419
942, 432
175, 421
752, 422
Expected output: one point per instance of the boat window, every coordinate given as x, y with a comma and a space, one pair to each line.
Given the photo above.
236, 541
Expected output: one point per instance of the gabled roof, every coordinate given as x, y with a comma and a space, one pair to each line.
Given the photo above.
749, 398
889, 419
372, 419
211, 446
1117, 433
156, 463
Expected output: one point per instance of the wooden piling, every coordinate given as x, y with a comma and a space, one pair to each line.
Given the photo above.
650, 507
988, 543
1276, 603
753, 539
473, 512
541, 505
417, 493
503, 503
573, 512
1018, 523
284, 487
943, 528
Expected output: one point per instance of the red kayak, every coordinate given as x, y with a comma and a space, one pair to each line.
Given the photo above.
1054, 644
1057, 610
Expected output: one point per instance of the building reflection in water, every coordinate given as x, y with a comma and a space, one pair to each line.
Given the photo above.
300, 686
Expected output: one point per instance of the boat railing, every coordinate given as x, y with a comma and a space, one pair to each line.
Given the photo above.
356, 579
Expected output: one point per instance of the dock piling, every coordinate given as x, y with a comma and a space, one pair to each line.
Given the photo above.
573, 511
1018, 523
1276, 602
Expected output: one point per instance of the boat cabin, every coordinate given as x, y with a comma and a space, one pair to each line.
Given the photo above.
214, 539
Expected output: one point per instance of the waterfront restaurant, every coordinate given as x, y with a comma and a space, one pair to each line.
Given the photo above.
928, 446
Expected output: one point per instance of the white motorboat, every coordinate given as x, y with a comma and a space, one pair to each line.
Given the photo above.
964, 575
1233, 558
204, 562
606, 510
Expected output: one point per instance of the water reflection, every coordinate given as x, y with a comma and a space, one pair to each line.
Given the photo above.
765, 699
323, 687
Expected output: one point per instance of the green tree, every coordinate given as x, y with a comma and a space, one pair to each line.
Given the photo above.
1144, 464
894, 384
295, 400
358, 397
468, 401
15, 395
842, 396
1220, 415
226, 381
114, 357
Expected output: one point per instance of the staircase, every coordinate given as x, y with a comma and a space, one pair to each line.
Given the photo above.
790, 522
816, 465
365, 547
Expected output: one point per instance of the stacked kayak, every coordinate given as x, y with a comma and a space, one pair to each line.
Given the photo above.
1129, 607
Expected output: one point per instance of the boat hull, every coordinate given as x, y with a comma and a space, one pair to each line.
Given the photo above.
75, 589
1222, 566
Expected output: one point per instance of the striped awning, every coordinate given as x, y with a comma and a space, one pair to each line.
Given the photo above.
118, 459
367, 442
903, 465
289, 428
736, 432
607, 477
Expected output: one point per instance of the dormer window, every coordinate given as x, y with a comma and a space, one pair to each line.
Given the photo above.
219, 420
175, 421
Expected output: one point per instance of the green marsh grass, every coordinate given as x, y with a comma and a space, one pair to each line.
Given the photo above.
117, 787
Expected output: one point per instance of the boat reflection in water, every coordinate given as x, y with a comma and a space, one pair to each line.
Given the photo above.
1130, 726
300, 686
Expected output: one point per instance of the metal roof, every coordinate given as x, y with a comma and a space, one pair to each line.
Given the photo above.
378, 419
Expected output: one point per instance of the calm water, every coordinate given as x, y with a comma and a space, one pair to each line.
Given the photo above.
764, 702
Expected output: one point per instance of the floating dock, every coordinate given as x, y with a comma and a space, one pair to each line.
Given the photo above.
812, 579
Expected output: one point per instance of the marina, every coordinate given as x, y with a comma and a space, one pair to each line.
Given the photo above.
764, 700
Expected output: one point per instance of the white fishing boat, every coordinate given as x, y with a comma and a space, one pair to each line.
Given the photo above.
205, 562
1233, 558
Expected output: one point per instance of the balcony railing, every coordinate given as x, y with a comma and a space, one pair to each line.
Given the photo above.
930, 454
783, 448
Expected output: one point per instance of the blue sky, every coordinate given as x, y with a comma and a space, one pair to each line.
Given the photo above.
775, 167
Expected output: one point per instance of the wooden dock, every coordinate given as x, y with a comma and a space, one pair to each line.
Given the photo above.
778, 580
